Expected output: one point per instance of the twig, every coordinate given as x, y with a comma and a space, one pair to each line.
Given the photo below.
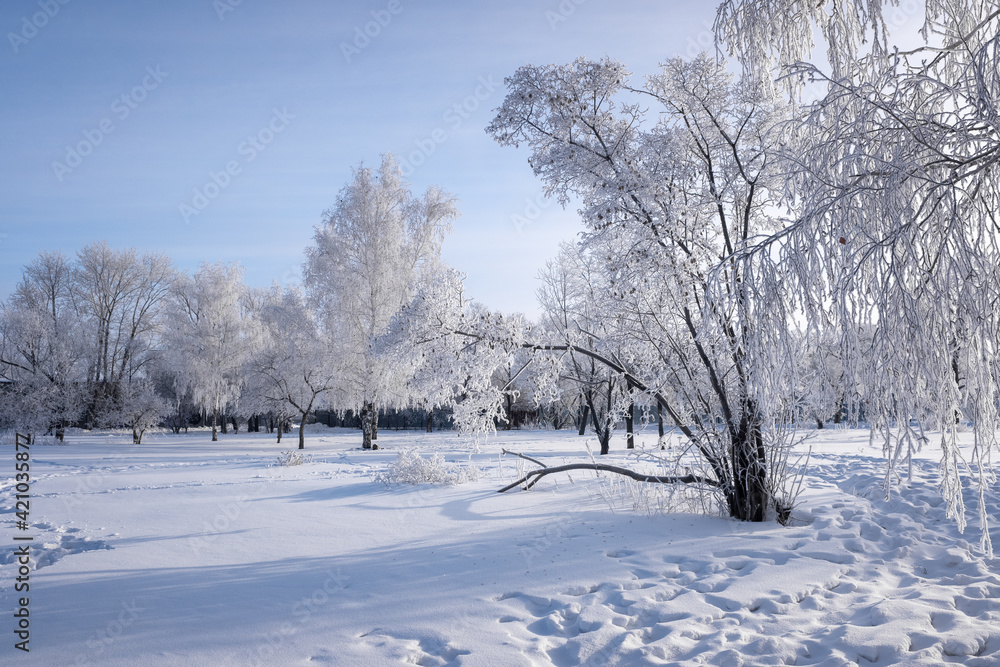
527, 458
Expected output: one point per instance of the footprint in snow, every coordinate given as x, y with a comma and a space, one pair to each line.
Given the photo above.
428, 651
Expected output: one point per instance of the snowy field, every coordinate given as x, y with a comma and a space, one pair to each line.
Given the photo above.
181, 551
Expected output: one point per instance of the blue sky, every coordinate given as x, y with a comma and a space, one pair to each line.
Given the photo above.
121, 119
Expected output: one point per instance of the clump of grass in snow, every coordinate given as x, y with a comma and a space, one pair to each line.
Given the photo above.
292, 458
411, 468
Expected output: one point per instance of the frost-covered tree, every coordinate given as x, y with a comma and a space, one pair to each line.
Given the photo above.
137, 406
41, 352
822, 392
572, 285
209, 339
898, 181
514, 381
669, 197
294, 367
171, 385
118, 296
370, 255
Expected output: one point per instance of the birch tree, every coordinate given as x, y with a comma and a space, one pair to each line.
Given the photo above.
209, 338
899, 187
370, 254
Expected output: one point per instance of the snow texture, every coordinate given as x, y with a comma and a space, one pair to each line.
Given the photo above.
181, 551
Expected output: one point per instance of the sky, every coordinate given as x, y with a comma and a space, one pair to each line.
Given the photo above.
220, 130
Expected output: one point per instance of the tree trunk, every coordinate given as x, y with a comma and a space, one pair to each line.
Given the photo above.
366, 426
748, 497
236, 425
510, 411
604, 430
659, 419
629, 424
225, 427
280, 430
302, 430
215, 425
583, 419
136, 437
604, 437
374, 423
430, 421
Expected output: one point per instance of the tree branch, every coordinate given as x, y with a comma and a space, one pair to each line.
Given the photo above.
526, 458
659, 479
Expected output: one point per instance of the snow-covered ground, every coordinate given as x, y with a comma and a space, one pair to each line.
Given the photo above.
181, 551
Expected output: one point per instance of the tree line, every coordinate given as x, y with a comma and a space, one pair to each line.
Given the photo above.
114, 338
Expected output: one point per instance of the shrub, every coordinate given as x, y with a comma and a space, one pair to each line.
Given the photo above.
411, 468
293, 458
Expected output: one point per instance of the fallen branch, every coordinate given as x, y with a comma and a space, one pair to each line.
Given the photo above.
526, 458
639, 477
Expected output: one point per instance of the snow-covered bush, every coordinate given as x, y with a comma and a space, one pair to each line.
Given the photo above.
411, 468
293, 458
657, 499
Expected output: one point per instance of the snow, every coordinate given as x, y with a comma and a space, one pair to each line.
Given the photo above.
184, 551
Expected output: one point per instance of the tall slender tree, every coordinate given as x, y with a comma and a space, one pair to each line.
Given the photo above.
370, 254
209, 340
